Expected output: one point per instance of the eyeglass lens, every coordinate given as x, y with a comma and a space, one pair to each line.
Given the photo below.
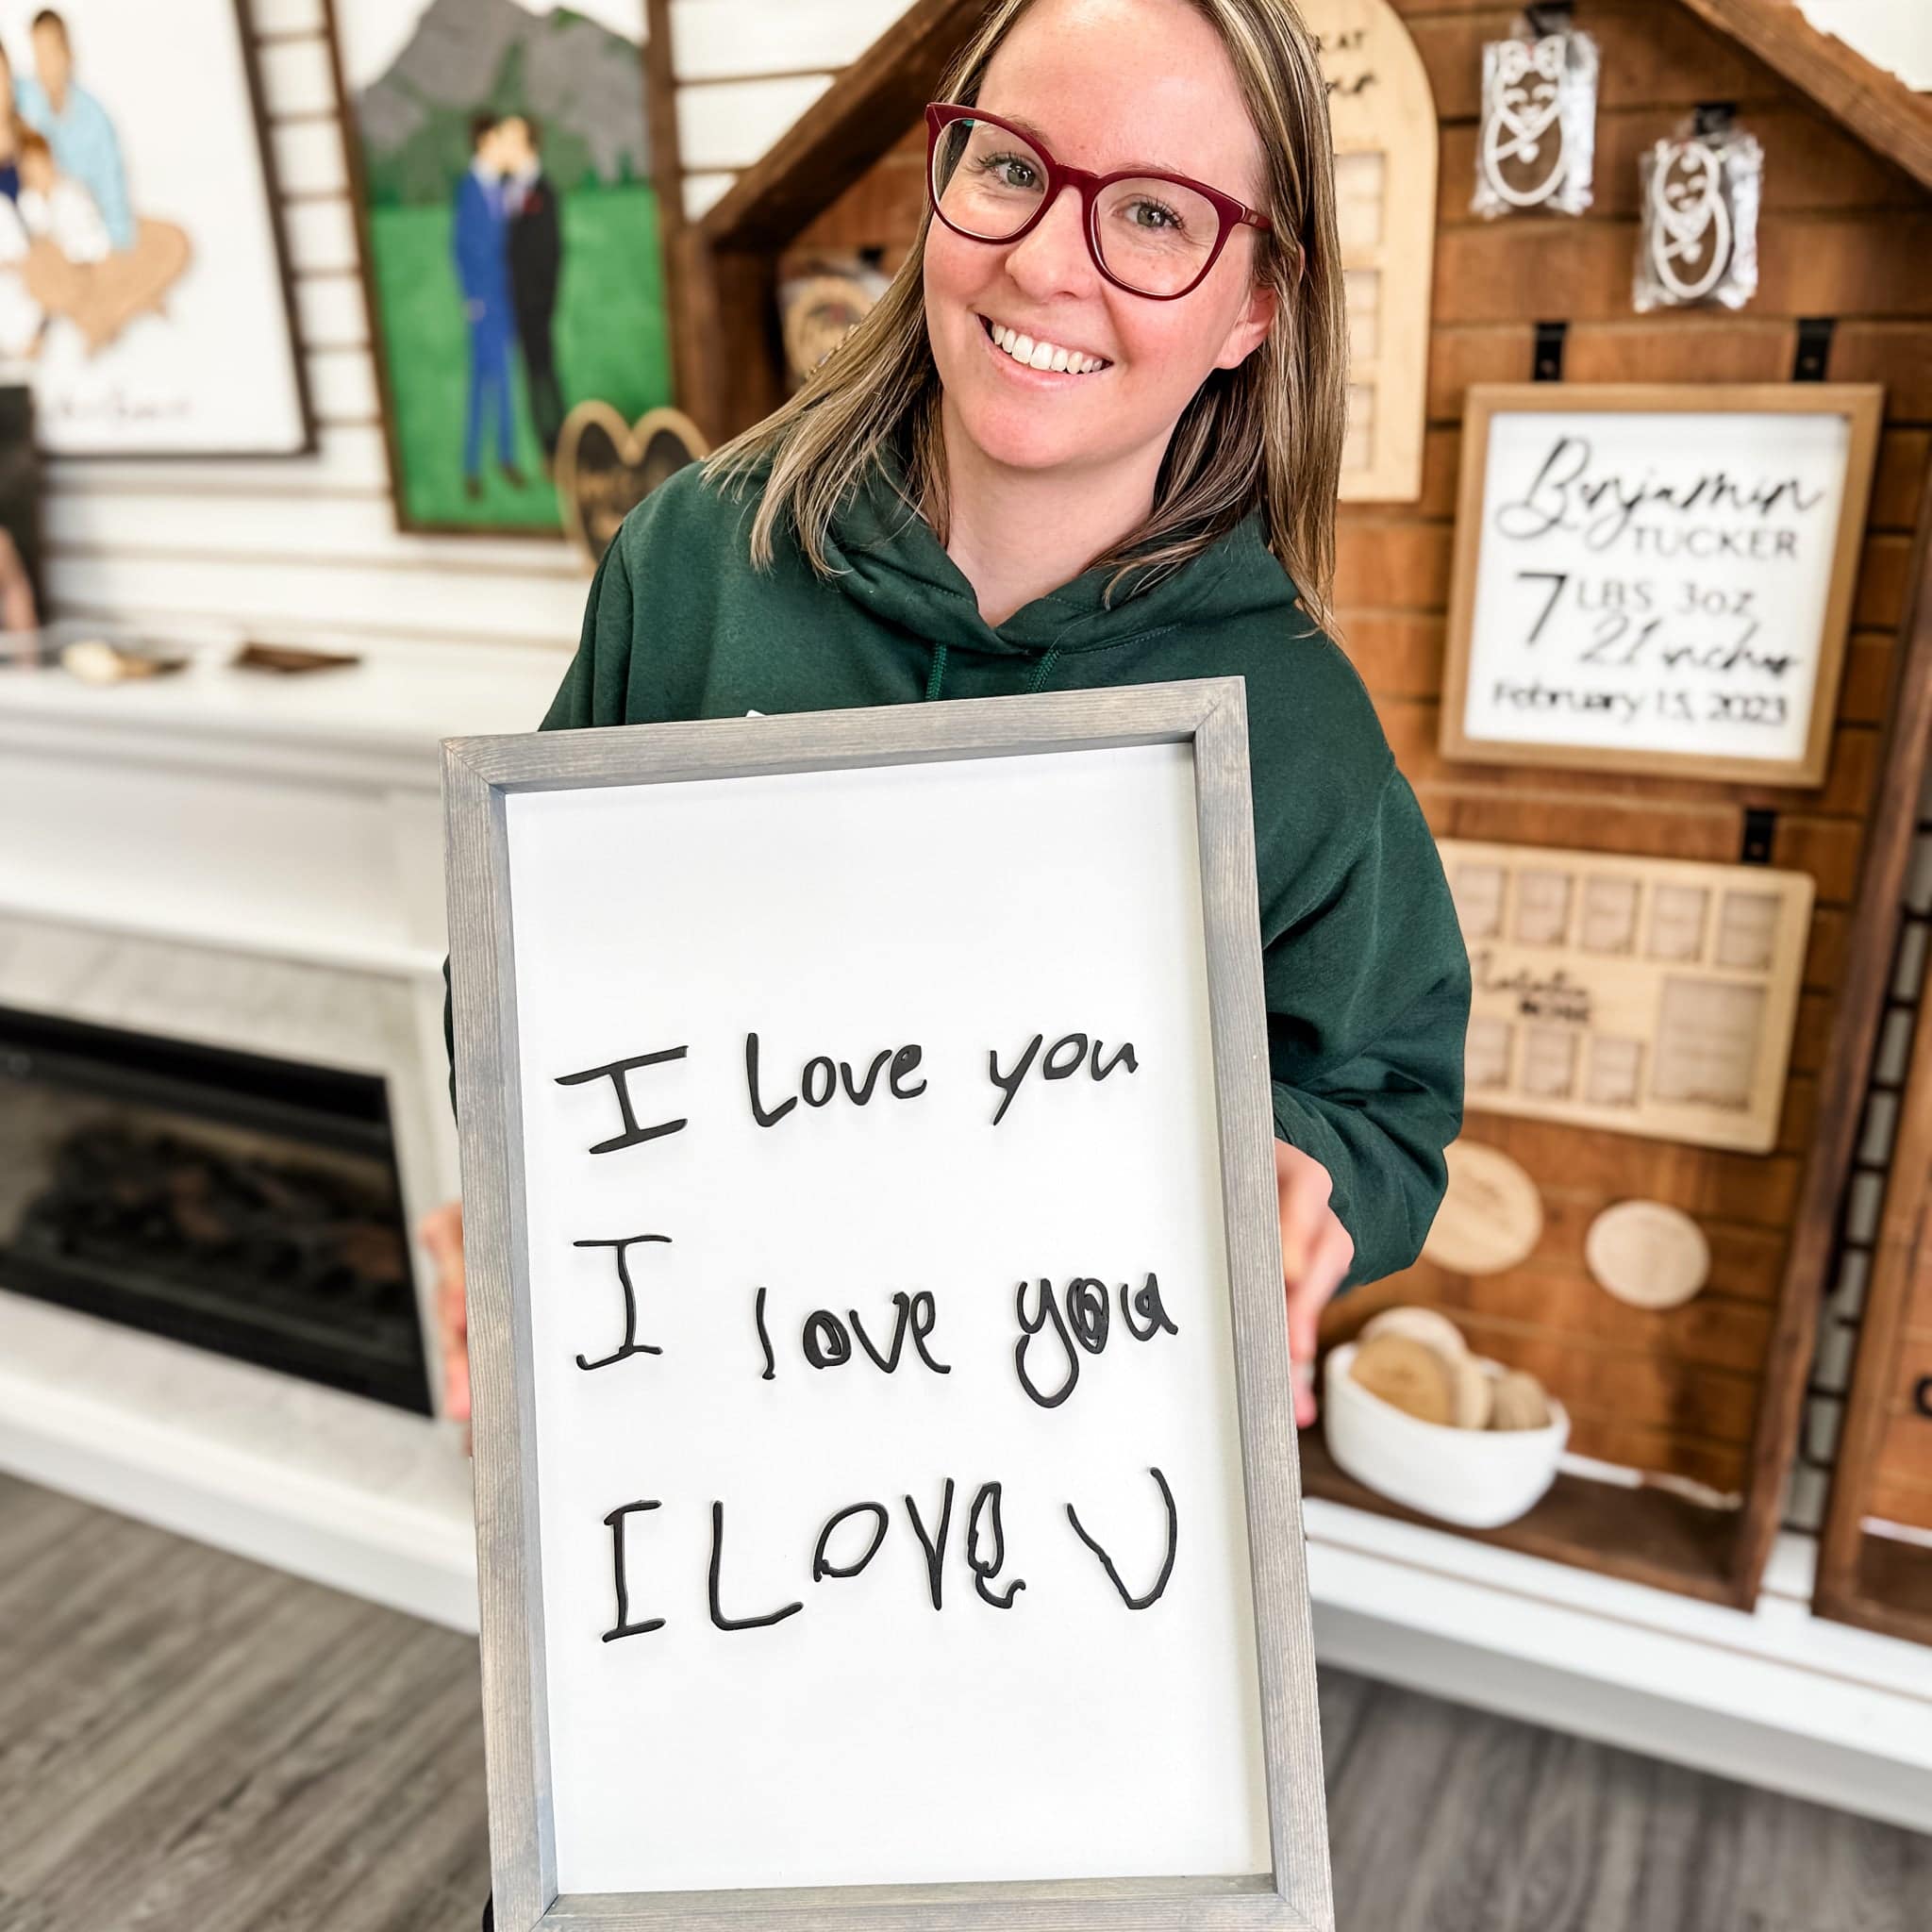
1153, 234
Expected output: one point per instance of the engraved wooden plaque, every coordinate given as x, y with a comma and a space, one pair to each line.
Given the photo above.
1383, 117
1649, 995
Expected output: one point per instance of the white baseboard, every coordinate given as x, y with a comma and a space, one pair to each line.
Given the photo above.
348, 1492
1773, 1696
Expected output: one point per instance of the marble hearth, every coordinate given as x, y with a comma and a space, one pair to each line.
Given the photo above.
251, 863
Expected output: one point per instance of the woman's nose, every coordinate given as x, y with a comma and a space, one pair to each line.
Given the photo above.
1051, 257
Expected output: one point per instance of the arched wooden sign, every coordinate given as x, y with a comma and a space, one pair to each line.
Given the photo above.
1384, 120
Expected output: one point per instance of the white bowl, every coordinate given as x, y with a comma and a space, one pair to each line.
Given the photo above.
1476, 1477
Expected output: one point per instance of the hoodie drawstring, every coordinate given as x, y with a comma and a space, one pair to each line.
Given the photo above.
936, 676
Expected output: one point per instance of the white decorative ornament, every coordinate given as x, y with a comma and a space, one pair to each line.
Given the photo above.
1700, 219
1688, 221
1539, 124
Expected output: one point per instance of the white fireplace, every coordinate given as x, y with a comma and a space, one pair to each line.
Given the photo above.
250, 862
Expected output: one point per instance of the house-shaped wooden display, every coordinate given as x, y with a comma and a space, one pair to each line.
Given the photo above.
1699, 1405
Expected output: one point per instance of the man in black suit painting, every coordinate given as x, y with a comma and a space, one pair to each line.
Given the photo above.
535, 260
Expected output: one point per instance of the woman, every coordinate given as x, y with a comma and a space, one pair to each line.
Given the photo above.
1075, 448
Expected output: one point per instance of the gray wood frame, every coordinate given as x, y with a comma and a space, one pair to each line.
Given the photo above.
479, 774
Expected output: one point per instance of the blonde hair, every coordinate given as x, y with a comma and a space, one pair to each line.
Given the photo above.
1268, 432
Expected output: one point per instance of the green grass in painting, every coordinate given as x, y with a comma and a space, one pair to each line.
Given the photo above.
610, 343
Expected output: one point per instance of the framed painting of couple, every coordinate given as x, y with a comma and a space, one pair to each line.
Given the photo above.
500, 160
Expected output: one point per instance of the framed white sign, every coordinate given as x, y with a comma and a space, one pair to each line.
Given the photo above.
886, 1496
1657, 579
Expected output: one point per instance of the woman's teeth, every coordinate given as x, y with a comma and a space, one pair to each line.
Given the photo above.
1042, 355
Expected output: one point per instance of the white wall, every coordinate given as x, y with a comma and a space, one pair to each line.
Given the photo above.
1894, 34
747, 69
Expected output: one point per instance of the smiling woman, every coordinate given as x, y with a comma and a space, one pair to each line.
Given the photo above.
1090, 436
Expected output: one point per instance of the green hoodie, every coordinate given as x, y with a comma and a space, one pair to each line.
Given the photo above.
1366, 976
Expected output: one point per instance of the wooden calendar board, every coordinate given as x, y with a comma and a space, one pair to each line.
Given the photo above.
1656, 578
1383, 118
1649, 996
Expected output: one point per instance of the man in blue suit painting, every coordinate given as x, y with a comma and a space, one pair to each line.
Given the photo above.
481, 248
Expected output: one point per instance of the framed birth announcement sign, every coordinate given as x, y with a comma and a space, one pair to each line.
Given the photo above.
1657, 579
886, 1480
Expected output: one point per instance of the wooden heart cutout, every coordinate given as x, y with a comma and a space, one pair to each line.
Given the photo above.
606, 467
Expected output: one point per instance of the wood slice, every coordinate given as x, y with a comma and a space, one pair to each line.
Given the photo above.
1430, 1326
1473, 1395
1516, 1401
1648, 1253
1491, 1216
1408, 1374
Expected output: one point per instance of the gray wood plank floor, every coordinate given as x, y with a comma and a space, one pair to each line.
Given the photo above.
189, 1740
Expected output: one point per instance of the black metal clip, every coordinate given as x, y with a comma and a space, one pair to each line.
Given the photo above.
1814, 348
1760, 824
1548, 366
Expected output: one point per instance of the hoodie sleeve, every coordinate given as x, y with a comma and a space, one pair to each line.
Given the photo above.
1368, 1006
595, 688
593, 693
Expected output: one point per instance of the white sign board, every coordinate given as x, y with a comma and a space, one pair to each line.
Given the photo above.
1657, 580
890, 1505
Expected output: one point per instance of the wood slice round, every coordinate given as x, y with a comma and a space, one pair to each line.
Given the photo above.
1408, 1374
1491, 1216
1474, 1393
1516, 1401
1648, 1253
1428, 1325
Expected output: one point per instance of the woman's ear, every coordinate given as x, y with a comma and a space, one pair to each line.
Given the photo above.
1251, 326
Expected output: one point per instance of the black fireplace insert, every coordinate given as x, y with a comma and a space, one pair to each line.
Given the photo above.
235, 1202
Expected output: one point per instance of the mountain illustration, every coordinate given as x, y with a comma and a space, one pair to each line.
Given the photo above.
583, 83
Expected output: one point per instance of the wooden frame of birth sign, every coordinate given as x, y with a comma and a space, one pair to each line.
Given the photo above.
824, 1580
1656, 578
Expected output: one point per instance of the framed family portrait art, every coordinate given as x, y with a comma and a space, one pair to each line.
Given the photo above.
144, 283
500, 157
1656, 578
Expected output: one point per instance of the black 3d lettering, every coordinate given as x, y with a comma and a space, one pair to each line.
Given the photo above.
623, 1626
821, 1565
630, 1344
618, 1073
718, 1616
1065, 1059
1106, 1563
984, 1571
821, 1078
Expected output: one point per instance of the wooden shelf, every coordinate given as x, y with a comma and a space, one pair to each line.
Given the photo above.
1646, 1535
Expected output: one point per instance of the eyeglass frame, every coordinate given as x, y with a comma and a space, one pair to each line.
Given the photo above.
1232, 214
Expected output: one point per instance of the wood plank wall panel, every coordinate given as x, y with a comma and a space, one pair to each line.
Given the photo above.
303, 547
1843, 234
1674, 1393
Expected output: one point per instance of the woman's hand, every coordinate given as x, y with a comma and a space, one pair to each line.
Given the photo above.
1316, 1250
441, 1232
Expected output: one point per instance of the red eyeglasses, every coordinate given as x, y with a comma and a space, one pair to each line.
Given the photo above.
1155, 235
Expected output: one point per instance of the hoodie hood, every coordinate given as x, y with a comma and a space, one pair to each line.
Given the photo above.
892, 564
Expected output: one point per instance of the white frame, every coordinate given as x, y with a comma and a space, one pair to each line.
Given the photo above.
478, 773
1860, 404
